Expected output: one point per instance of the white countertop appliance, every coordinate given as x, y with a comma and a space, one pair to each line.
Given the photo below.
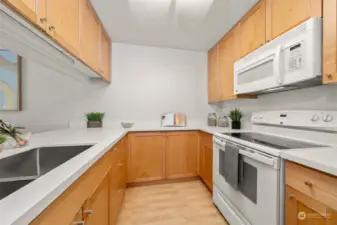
248, 173
291, 61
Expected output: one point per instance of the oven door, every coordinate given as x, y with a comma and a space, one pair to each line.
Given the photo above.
257, 197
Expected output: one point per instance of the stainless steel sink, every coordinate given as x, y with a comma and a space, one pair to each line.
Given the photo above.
19, 170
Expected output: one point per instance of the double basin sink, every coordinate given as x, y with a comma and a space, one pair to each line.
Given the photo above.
19, 170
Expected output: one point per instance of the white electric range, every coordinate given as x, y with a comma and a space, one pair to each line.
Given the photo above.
256, 197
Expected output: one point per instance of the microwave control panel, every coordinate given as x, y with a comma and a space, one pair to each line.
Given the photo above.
294, 59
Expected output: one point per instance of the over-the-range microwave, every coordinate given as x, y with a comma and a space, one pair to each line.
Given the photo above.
293, 60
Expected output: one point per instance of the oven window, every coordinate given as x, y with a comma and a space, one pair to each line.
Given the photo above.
248, 181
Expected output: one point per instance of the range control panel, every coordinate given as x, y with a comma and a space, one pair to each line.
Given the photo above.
300, 118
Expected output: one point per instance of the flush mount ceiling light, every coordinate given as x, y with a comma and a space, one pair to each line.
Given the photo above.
198, 8
150, 6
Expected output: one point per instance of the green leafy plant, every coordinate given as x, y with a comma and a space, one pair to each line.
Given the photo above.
2, 139
235, 115
12, 131
95, 116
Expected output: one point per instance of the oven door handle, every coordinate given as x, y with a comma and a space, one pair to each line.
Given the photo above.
219, 142
258, 157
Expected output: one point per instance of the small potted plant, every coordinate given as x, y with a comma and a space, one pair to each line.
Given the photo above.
235, 115
95, 119
12, 131
3, 139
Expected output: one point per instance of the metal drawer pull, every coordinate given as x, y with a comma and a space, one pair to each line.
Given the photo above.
116, 149
79, 222
87, 211
308, 183
120, 190
121, 164
290, 196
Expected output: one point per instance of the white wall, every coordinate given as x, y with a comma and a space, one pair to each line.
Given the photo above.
146, 82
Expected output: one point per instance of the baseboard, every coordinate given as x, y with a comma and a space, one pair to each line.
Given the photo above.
148, 183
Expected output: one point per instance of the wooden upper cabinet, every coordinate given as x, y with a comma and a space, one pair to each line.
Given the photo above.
32, 10
63, 23
146, 156
253, 29
90, 35
104, 55
181, 154
226, 66
213, 74
330, 41
283, 15
96, 209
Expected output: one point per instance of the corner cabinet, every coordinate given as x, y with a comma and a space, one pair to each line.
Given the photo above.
146, 157
206, 159
73, 25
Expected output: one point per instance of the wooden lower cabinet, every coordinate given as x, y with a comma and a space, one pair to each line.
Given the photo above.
206, 159
181, 154
309, 196
96, 209
95, 197
146, 156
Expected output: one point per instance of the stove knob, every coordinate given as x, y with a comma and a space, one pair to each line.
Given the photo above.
327, 118
315, 118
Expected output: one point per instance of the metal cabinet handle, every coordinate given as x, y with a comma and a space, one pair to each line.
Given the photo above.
329, 75
87, 211
51, 28
121, 164
308, 183
79, 222
115, 149
43, 19
120, 190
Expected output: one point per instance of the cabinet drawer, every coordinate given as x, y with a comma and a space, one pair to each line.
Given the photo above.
317, 185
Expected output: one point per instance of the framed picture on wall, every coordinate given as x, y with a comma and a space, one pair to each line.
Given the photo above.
10, 81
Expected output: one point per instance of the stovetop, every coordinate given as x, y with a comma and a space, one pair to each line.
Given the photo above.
272, 141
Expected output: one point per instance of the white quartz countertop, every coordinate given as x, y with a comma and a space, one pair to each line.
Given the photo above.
21, 207
322, 159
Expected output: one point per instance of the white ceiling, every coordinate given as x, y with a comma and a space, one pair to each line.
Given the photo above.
183, 24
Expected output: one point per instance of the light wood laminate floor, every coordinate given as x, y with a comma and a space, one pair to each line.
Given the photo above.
187, 203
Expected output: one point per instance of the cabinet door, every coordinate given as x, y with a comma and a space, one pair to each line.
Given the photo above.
146, 157
330, 41
33, 10
181, 154
89, 35
226, 66
63, 23
253, 29
283, 15
303, 210
104, 55
96, 209
206, 159
78, 218
213, 75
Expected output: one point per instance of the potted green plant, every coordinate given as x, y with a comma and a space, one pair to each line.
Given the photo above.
95, 119
235, 115
13, 132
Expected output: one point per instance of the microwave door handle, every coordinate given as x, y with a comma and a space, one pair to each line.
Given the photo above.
276, 65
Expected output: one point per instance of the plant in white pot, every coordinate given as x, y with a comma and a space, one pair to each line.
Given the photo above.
235, 115
95, 119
